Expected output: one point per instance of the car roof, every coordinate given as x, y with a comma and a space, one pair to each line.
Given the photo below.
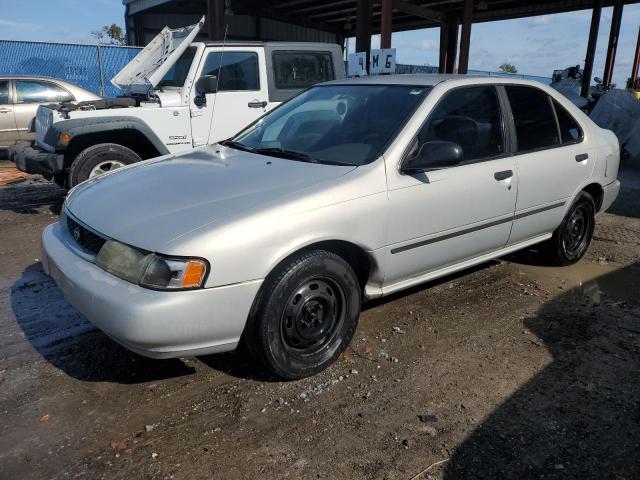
429, 80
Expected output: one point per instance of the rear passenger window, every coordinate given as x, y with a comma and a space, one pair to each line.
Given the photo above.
469, 117
570, 131
534, 118
299, 69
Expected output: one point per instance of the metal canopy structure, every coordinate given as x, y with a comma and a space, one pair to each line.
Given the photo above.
334, 20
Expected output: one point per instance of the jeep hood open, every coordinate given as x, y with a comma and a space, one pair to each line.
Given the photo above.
150, 66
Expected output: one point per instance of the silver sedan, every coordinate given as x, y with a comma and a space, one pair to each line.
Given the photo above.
20, 97
352, 190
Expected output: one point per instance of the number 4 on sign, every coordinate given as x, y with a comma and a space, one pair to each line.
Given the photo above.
357, 64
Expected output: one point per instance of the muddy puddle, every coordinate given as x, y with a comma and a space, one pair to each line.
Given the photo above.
595, 280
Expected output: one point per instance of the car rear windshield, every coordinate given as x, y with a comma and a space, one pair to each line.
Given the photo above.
339, 124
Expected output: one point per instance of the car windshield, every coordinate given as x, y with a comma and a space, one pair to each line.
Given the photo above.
177, 74
335, 124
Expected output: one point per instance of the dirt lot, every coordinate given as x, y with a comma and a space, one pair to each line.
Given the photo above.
511, 370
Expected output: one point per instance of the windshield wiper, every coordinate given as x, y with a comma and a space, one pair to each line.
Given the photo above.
284, 153
237, 145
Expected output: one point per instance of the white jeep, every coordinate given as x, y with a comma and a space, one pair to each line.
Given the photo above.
180, 95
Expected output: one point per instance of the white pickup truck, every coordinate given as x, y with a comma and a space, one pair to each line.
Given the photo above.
181, 94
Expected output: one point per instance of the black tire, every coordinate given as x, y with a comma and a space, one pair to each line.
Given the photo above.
100, 154
305, 315
571, 239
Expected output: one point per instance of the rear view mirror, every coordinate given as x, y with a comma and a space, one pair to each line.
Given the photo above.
433, 154
207, 84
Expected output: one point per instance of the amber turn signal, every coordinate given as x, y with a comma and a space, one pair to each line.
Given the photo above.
194, 274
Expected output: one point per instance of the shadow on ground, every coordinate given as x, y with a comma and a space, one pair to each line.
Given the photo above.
580, 417
69, 342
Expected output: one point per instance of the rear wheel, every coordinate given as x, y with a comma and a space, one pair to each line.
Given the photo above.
305, 315
571, 239
99, 159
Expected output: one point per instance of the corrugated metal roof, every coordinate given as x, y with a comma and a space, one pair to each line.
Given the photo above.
136, 6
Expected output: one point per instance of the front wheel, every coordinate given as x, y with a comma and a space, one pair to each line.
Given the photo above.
99, 159
571, 239
305, 315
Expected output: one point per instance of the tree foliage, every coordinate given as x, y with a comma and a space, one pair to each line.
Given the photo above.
110, 35
508, 68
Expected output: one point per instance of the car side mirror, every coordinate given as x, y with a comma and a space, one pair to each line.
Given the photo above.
207, 84
430, 155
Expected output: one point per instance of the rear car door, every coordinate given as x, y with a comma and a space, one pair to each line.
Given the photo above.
8, 129
29, 95
241, 97
446, 216
552, 157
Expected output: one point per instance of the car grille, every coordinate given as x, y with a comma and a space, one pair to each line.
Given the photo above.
85, 238
44, 118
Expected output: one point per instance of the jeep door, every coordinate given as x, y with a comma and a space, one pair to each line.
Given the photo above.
241, 97
8, 129
553, 159
445, 216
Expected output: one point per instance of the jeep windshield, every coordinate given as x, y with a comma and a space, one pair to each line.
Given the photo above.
333, 124
177, 74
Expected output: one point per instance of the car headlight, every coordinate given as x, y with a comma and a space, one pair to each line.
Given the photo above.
151, 270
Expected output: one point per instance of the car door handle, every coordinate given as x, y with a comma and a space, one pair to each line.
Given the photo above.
5, 110
257, 104
582, 157
503, 175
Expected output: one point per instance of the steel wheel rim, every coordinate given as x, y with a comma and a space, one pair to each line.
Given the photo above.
576, 230
104, 167
313, 316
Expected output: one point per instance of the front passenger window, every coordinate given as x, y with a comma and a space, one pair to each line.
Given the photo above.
469, 117
236, 71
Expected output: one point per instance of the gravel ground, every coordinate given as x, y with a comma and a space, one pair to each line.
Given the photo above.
509, 370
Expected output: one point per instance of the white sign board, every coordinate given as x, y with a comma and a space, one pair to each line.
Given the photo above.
383, 61
357, 64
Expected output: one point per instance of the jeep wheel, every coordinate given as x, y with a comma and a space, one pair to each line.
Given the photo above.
99, 159
305, 315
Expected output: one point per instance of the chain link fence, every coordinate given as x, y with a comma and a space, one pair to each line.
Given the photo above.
89, 66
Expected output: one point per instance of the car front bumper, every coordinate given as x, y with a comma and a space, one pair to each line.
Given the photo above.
610, 194
153, 323
32, 159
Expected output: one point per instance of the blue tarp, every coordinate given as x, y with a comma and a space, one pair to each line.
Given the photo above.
88, 66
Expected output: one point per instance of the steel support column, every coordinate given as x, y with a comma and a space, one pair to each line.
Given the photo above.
386, 26
613, 43
452, 43
591, 48
364, 19
215, 19
465, 36
633, 81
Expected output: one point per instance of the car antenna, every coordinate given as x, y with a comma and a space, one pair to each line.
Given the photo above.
213, 107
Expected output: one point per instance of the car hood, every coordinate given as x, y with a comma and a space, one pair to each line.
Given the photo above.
152, 203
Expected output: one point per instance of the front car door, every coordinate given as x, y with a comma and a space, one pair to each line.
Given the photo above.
241, 97
446, 216
29, 95
552, 157
8, 129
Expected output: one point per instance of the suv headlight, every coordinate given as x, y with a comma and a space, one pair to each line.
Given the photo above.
151, 270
